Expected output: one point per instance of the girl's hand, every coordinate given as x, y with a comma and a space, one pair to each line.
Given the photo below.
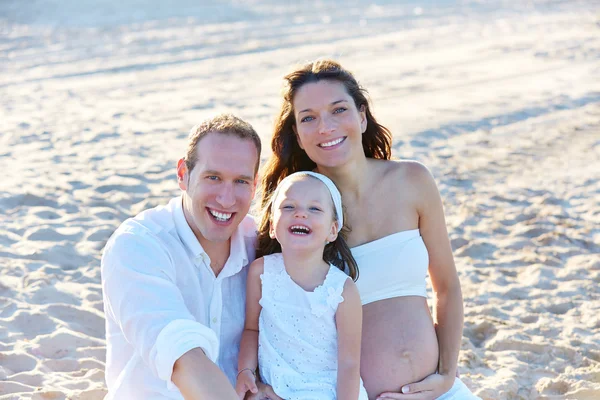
246, 381
265, 392
429, 388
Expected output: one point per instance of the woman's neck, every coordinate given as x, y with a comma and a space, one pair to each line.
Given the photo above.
350, 178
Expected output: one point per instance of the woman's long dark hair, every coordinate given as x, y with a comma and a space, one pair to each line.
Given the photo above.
287, 156
337, 252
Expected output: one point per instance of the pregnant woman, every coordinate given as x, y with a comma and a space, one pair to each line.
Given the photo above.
397, 232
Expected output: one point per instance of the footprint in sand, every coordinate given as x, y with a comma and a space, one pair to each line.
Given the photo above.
80, 320
480, 331
62, 343
14, 363
50, 234
31, 324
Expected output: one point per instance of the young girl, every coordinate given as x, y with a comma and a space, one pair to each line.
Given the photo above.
303, 314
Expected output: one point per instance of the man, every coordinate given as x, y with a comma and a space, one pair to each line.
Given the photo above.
174, 277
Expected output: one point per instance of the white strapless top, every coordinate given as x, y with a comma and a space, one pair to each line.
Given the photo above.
395, 265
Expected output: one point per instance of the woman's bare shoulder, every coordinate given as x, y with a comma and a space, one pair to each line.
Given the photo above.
403, 172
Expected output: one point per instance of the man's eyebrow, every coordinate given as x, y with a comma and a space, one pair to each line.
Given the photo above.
246, 177
332, 104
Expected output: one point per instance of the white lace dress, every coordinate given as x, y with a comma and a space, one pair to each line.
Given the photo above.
297, 342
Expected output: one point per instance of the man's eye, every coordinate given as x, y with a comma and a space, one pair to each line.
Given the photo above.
242, 181
307, 119
213, 178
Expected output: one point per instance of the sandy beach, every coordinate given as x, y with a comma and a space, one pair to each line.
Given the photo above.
500, 99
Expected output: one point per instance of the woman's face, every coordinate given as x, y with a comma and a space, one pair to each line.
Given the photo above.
328, 126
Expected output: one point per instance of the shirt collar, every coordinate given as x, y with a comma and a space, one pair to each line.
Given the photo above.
238, 254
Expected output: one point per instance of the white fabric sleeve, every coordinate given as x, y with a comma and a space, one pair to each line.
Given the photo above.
138, 280
176, 339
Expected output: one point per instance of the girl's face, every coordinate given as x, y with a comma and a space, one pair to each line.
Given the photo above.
303, 216
328, 125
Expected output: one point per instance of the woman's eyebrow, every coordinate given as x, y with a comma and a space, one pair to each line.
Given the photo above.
332, 104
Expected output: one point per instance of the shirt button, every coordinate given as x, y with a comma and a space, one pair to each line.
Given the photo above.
214, 320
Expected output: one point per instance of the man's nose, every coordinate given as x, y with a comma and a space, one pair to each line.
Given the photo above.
226, 196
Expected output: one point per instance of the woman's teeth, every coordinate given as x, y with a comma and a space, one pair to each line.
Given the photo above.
331, 143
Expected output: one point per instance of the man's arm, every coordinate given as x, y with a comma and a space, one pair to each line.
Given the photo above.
141, 296
197, 377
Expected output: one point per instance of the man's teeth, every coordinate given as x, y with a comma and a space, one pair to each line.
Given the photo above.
221, 216
332, 143
301, 230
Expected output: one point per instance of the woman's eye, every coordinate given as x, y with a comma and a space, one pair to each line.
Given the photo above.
339, 110
307, 119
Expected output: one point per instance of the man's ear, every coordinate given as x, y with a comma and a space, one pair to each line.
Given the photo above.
183, 176
297, 137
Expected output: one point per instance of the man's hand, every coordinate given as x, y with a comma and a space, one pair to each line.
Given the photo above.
429, 388
265, 392
246, 382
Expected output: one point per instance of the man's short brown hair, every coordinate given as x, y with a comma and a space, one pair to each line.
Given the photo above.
226, 124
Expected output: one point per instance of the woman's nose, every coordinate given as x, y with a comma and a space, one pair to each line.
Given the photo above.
326, 125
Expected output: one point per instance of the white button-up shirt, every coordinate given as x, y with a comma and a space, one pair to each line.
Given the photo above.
162, 299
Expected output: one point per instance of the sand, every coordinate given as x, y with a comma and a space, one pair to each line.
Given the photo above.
500, 99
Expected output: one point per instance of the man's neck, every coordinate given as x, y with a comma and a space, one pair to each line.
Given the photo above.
218, 252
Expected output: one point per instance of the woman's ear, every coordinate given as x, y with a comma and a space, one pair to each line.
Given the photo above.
271, 230
363, 118
297, 136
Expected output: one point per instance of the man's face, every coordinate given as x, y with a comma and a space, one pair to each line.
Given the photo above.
220, 188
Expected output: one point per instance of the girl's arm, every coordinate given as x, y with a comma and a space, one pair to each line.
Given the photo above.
348, 319
248, 358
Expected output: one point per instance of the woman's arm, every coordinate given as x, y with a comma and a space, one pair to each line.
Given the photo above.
348, 319
248, 357
447, 295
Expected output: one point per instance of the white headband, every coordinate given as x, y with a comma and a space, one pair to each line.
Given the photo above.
333, 190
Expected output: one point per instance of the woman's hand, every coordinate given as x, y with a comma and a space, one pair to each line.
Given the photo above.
246, 382
265, 392
429, 388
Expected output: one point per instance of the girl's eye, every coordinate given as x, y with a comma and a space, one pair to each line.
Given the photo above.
287, 207
307, 119
339, 110
315, 209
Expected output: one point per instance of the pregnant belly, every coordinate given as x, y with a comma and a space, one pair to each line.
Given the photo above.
399, 344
